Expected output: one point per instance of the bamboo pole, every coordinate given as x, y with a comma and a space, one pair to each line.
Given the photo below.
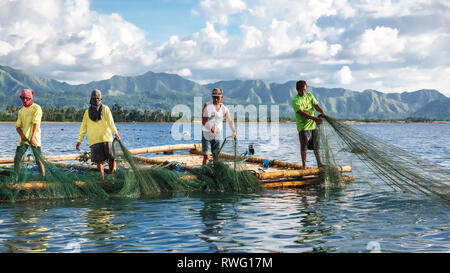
37, 185
147, 150
289, 184
303, 172
165, 148
299, 183
49, 158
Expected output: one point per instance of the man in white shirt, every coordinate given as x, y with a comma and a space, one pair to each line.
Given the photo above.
212, 119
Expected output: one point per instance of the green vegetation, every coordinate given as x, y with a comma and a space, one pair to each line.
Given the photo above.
70, 114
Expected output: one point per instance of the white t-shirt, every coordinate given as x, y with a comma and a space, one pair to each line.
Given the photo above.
215, 119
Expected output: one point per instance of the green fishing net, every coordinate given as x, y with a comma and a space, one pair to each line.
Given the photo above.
133, 178
396, 167
330, 175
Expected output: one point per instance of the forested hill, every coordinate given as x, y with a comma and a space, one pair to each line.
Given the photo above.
152, 91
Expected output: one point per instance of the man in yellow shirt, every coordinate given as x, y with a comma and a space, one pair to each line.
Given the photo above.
97, 123
28, 126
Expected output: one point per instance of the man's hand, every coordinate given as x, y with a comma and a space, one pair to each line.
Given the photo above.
78, 146
234, 135
318, 121
117, 136
213, 131
33, 142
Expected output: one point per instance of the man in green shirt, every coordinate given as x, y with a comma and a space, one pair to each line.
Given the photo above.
304, 104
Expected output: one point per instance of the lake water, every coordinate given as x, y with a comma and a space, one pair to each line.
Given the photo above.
363, 216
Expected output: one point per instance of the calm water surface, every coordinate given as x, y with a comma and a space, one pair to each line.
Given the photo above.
360, 217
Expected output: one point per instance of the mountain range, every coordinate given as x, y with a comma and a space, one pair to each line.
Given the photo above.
163, 91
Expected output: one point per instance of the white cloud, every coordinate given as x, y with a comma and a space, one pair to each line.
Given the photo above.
322, 50
280, 40
5, 48
253, 37
185, 72
422, 44
388, 8
258, 11
49, 35
378, 45
344, 75
218, 11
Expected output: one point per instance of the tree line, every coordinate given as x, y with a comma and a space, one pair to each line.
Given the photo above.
70, 114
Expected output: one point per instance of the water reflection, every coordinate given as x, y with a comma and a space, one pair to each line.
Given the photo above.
312, 220
255, 223
216, 214
29, 235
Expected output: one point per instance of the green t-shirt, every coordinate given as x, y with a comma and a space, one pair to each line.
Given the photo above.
306, 104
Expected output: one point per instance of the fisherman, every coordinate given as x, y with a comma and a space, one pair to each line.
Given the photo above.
97, 123
213, 115
28, 126
304, 104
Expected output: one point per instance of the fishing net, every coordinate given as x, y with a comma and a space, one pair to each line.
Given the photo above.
26, 182
133, 178
330, 173
396, 167
219, 175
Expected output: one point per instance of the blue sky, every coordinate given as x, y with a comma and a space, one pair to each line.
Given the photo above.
159, 18
386, 45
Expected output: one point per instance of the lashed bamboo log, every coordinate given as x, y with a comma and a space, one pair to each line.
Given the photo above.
303, 172
147, 150
49, 158
37, 185
299, 183
165, 148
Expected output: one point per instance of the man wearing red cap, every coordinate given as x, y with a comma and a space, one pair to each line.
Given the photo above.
28, 126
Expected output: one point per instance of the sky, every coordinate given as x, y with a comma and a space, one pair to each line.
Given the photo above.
385, 45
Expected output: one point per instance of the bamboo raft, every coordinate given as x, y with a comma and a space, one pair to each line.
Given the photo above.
280, 174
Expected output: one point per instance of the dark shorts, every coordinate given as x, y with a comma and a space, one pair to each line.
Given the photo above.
21, 150
101, 152
309, 139
210, 146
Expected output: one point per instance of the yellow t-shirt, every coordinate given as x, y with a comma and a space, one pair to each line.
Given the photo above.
26, 118
98, 131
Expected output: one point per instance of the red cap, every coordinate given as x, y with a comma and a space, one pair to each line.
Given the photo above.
26, 93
